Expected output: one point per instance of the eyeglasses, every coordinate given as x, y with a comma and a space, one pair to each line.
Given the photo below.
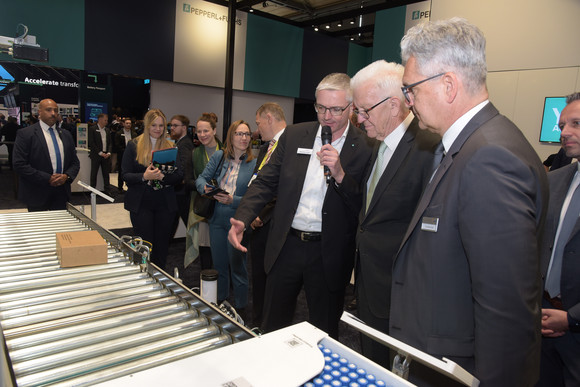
364, 113
408, 90
176, 125
334, 111
242, 134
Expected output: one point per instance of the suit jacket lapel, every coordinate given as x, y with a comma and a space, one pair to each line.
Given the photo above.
476, 122
42, 140
301, 161
394, 163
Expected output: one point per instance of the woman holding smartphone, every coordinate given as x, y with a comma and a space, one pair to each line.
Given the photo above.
232, 176
197, 239
150, 197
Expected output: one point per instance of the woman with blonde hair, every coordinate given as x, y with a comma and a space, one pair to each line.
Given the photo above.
150, 197
232, 168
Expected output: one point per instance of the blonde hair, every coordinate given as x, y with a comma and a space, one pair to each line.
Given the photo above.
144, 146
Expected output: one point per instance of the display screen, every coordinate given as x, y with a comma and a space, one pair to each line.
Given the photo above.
552, 108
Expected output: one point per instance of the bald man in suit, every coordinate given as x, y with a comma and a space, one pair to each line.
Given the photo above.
45, 160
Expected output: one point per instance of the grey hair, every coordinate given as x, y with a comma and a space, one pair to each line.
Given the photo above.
572, 97
386, 76
448, 45
336, 81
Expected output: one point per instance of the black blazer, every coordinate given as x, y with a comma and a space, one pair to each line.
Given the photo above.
284, 176
96, 142
185, 153
560, 180
466, 280
136, 187
31, 161
119, 140
383, 226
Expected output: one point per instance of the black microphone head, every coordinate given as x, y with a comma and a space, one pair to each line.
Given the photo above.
326, 135
242, 156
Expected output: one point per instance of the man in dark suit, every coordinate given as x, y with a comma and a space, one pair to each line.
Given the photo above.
100, 147
46, 162
311, 241
402, 165
466, 282
179, 124
122, 138
560, 264
271, 123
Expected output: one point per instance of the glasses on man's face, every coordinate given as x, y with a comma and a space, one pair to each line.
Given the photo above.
408, 90
176, 125
242, 134
364, 113
334, 111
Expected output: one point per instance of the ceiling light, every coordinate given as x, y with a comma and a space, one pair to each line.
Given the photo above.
316, 28
352, 21
339, 24
327, 26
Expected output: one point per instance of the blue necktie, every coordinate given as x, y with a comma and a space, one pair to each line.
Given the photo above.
570, 219
56, 151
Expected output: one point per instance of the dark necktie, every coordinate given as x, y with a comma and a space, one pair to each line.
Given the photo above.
56, 151
437, 158
570, 219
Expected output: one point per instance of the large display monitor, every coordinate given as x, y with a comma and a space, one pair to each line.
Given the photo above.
550, 133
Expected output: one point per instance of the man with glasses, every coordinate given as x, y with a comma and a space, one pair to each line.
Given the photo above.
466, 283
179, 124
402, 164
311, 240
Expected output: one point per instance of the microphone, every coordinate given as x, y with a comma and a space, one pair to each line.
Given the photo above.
326, 135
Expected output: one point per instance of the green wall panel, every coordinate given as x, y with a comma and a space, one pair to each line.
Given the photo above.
273, 57
358, 57
389, 30
57, 24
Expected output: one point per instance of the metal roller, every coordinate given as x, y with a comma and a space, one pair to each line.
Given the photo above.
58, 345
119, 357
22, 299
85, 325
76, 330
93, 299
60, 313
97, 346
141, 364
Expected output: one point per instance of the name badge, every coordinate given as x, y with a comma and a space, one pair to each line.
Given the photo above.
429, 224
304, 151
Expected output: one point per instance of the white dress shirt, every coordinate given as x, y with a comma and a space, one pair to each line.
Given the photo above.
50, 145
308, 215
392, 142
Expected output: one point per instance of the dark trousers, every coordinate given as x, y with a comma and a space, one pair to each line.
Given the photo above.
377, 352
256, 252
183, 201
55, 200
105, 165
560, 359
120, 169
153, 223
300, 264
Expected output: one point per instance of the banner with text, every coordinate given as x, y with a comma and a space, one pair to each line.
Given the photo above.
201, 43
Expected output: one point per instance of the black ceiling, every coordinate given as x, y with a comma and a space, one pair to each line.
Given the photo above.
350, 20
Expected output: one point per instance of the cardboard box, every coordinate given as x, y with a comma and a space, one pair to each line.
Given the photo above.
80, 248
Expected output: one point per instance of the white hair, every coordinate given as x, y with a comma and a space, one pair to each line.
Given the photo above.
448, 45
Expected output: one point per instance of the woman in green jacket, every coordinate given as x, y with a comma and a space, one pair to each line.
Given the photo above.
197, 241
